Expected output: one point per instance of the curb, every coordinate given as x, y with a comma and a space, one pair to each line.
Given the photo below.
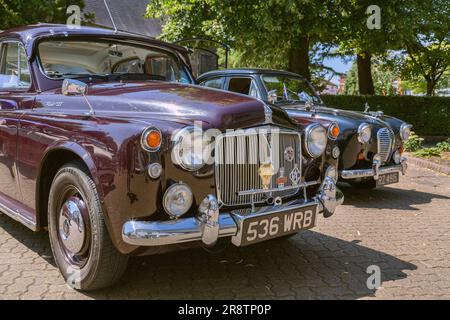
429, 165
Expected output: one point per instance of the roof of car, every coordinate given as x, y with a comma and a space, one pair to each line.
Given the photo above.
245, 71
31, 32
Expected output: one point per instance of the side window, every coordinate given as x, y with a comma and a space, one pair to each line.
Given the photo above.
242, 85
14, 72
216, 83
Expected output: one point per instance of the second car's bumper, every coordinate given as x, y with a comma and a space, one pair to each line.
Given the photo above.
375, 171
210, 225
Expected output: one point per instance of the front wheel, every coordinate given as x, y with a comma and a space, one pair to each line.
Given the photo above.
80, 242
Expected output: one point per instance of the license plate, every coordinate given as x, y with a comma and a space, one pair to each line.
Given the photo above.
265, 227
388, 178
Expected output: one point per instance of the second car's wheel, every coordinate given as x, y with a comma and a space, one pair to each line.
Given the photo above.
369, 183
80, 242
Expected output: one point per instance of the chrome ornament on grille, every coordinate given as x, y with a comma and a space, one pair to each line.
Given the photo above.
282, 179
289, 154
266, 172
295, 175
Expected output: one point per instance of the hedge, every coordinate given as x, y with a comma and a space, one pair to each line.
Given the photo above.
430, 116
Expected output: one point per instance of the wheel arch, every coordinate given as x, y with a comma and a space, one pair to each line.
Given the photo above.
54, 158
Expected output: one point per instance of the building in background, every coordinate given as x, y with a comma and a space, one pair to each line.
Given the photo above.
341, 87
128, 16
329, 88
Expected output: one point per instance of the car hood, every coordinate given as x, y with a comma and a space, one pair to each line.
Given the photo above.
181, 103
348, 120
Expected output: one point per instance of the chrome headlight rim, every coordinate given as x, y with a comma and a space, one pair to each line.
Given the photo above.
178, 140
308, 131
166, 198
361, 129
405, 131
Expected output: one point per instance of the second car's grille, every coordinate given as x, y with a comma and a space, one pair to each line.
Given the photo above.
239, 156
385, 144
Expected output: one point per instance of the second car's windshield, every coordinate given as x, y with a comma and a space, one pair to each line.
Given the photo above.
60, 59
289, 89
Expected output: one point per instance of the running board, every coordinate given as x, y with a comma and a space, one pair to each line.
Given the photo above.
18, 217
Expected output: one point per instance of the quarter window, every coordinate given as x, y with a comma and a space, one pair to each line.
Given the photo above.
243, 85
216, 83
14, 72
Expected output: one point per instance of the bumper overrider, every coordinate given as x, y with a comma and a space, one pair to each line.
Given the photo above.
211, 224
375, 171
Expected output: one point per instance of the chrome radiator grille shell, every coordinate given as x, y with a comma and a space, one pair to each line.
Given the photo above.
385, 140
239, 155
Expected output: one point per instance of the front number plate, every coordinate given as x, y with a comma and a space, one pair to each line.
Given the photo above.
388, 178
265, 227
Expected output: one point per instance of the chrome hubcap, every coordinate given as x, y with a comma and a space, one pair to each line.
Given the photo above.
72, 229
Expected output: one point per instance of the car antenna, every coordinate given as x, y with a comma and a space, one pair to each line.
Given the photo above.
110, 16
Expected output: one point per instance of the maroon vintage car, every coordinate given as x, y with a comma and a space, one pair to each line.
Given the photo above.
100, 143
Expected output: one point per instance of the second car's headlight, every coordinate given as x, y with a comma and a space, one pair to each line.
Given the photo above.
315, 140
405, 131
189, 146
364, 133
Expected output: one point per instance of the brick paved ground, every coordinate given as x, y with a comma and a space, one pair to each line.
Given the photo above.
404, 229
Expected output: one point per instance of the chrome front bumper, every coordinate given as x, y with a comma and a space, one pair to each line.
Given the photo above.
375, 171
210, 224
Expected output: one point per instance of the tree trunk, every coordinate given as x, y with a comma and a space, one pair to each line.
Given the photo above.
365, 80
299, 58
431, 84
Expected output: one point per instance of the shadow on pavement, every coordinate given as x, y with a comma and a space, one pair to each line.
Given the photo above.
387, 197
309, 266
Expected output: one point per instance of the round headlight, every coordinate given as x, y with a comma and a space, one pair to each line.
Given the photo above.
315, 140
188, 149
177, 200
364, 133
405, 131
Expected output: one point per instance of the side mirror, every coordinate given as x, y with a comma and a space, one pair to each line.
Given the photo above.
272, 96
71, 87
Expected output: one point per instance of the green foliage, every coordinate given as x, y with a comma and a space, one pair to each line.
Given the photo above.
443, 146
264, 33
428, 115
414, 142
382, 73
15, 13
424, 57
427, 153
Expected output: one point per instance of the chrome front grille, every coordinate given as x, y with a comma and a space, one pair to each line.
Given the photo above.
239, 155
385, 144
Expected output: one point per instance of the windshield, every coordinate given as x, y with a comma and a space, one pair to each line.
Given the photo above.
62, 59
289, 89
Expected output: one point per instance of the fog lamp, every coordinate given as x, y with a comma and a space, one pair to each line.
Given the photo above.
177, 200
154, 170
336, 152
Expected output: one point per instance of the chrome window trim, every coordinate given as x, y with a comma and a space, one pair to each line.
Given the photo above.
28, 65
